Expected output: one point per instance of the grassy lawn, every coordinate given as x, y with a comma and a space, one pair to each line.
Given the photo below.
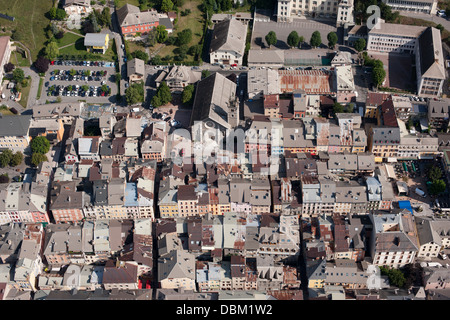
41, 83
68, 39
25, 93
193, 21
29, 22
135, 46
78, 51
4, 110
18, 59
124, 2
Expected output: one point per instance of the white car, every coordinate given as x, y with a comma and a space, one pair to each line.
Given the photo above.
174, 123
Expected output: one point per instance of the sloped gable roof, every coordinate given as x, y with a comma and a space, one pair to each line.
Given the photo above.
229, 35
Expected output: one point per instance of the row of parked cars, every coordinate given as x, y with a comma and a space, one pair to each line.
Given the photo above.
77, 75
83, 63
77, 90
165, 116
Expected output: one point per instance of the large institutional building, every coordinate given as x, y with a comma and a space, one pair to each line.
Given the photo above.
342, 10
416, 6
423, 42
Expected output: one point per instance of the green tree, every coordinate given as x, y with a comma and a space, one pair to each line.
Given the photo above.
37, 158
156, 101
377, 64
161, 34
349, 108
226, 5
52, 13
105, 89
181, 50
332, 39
205, 73
85, 87
105, 17
395, 276
386, 12
51, 51
378, 76
184, 37
271, 38
164, 93
5, 158
435, 173
316, 39
338, 108
140, 55
16, 159
188, 94
437, 187
293, 39
195, 50
150, 39
135, 93
360, 44
60, 14
156, 60
18, 75
166, 5
40, 145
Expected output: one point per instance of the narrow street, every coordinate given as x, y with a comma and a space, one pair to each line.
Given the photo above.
302, 264
120, 52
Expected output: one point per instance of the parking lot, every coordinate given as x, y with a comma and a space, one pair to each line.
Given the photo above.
170, 112
417, 173
80, 80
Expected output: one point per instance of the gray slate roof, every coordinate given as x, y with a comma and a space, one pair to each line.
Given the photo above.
94, 39
229, 35
15, 125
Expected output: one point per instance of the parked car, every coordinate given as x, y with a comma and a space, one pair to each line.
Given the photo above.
420, 192
174, 123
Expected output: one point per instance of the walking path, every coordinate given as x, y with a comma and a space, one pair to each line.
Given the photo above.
35, 79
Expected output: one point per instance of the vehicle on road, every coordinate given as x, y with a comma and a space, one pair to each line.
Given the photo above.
420, 192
